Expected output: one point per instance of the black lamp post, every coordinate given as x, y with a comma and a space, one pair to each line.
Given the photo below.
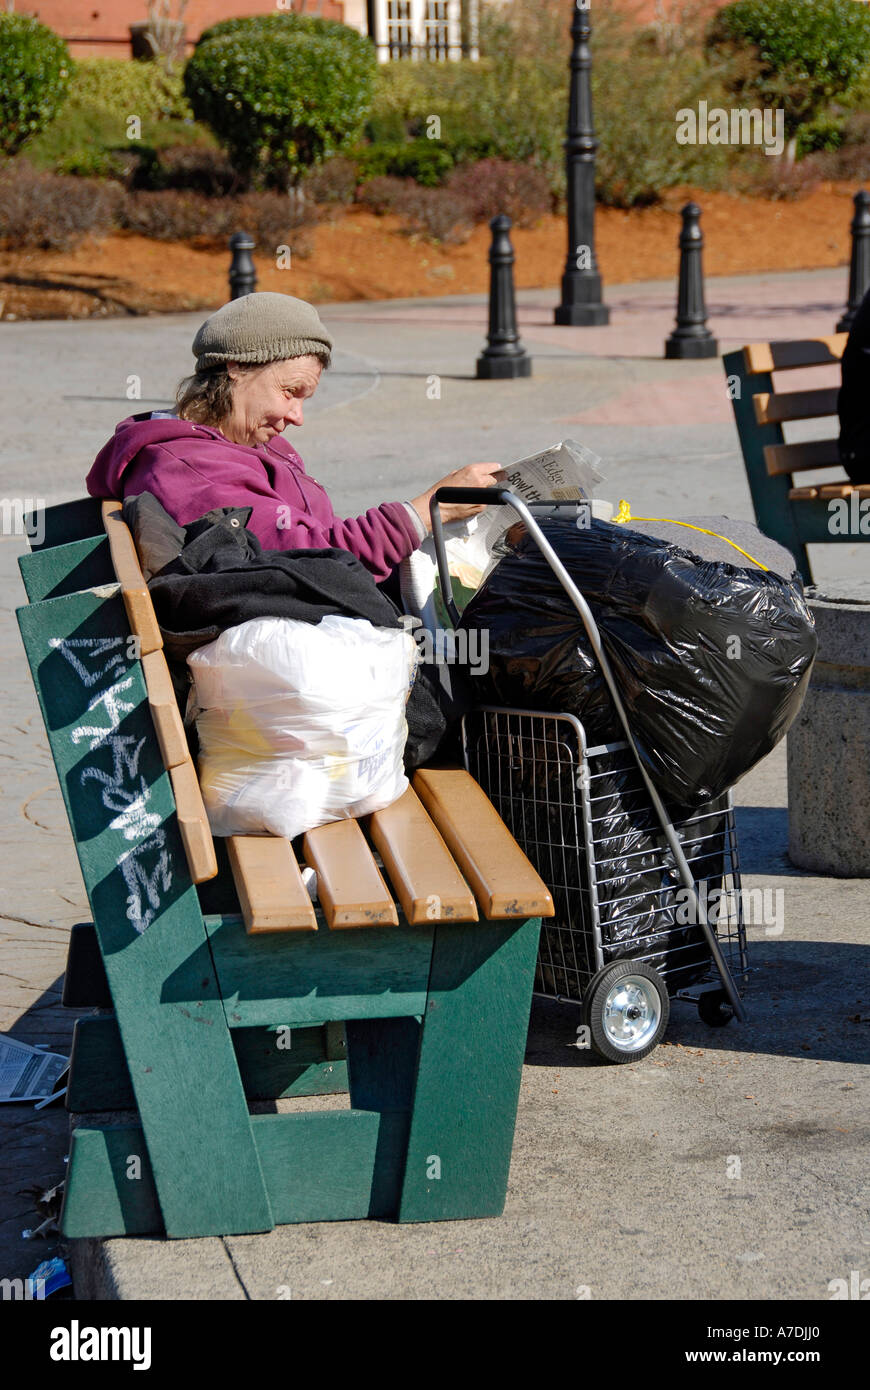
859, 263
581, 284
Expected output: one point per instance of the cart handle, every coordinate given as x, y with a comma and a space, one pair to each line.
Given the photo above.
475, 496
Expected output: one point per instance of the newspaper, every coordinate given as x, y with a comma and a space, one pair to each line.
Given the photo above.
28, 1073
564, 472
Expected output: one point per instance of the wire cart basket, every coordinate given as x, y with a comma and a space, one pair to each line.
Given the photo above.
623, 918
645, 910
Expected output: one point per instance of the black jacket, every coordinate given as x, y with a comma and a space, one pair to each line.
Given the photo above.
853, 403
214, 574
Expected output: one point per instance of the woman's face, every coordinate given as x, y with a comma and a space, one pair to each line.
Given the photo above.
268, 399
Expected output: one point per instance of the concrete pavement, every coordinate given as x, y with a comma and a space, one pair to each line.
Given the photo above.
623, 1181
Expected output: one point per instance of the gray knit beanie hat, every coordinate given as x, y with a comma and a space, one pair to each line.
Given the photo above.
263, 328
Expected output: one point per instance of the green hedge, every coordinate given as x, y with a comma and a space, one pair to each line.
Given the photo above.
484, 109
90, 136
35, 69
285, 22
281, 96
799, 53
127, 87
425, 161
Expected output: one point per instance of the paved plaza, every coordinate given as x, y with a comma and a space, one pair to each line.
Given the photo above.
623, 1182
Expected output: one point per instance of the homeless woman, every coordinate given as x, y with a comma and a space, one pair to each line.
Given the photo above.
258, 359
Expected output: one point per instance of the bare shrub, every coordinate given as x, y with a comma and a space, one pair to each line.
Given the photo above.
276, 219
332, 182
173, 215
436, 213
380, 194
273, 219
54, 211
494, 186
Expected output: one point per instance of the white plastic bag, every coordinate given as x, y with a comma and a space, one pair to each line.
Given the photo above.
301, 723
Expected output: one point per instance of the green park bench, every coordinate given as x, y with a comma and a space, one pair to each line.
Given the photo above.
217, 981
793, 515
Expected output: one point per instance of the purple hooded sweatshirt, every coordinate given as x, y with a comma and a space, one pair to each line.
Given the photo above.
192, 469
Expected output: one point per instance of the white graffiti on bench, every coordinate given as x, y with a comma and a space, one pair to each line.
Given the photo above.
125, 793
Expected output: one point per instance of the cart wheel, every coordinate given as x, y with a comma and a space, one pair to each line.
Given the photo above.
627, 1011
715, 1009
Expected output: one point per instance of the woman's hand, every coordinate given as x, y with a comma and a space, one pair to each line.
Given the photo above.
473, 475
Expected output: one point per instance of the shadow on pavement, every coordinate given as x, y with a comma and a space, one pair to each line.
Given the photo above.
808, 1000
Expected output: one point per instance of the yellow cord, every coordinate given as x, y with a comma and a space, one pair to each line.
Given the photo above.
624, 514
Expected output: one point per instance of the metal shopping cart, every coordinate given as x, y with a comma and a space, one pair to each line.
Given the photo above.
646, 910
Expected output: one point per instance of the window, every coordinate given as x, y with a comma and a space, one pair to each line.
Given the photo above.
419, 29
437, 25
399, 28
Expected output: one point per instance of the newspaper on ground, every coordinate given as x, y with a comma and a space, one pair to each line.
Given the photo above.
565, 472
28, 1073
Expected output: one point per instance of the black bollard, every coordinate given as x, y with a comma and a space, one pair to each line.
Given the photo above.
504, 357
859, 264
691, 337
581, 284
243, 273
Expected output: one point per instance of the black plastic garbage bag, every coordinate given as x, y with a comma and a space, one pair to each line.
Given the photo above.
711, 659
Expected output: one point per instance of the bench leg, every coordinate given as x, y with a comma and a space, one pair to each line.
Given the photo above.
469, 1069
381, 1065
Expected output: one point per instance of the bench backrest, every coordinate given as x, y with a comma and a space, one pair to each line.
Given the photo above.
789, 514
780, 407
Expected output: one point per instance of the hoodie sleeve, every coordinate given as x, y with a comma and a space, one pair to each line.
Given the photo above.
380, 538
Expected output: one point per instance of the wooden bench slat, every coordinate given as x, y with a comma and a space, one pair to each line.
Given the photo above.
164, 711
844, 489
805, 494
193, 823
350, 887
422, 872
192, 819
773, 409
271, 891
802, 352
128, 572
797, 458
501, 877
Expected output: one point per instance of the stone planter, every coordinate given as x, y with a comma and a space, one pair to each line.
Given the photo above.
828, 745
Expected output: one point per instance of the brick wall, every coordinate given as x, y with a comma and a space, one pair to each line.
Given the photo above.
101, 28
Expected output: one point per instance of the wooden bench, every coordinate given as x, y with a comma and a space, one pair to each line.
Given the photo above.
407, 982
788, 512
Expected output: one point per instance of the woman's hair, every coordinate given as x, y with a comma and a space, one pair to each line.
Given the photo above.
206, 397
